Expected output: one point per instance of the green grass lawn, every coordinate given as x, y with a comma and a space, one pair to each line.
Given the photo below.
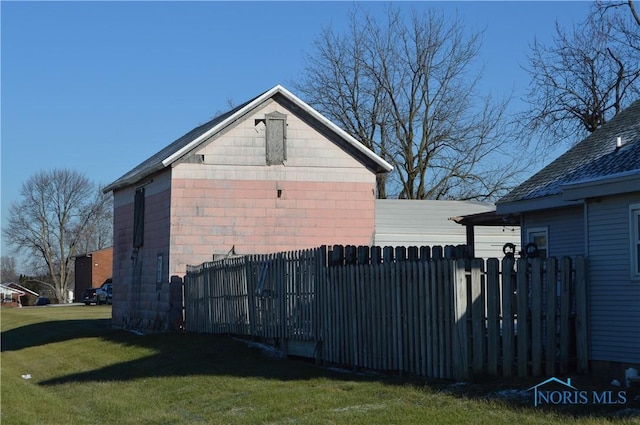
84, 372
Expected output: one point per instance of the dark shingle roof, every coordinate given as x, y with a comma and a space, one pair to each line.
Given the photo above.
593, 158
155, 162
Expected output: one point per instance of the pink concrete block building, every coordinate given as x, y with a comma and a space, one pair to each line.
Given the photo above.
270, 175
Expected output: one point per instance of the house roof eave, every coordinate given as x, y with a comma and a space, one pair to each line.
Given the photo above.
121, 183
488, 218
612, 149
610, 185
535, 204
20, 288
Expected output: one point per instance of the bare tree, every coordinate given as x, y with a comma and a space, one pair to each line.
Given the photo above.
584, 78
8, 269
58, 217
622, 17
407, 89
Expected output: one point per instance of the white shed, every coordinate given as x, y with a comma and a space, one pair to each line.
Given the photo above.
403, 222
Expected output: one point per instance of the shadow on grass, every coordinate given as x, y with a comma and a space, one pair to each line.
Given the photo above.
181, 354
51, 332
184, 355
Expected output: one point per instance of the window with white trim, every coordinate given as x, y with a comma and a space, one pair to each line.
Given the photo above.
540, 237
634, 227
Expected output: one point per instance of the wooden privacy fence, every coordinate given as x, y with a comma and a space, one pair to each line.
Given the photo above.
268, 296
385, 310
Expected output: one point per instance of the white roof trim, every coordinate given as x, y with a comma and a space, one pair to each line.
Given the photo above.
6, 289
277, 89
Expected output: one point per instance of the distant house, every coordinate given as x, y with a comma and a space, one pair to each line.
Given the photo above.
10, 296
269, 175
92, 269
403, 222
14, 294
587, 202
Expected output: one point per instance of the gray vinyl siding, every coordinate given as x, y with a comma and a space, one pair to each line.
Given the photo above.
614, 297
565, 230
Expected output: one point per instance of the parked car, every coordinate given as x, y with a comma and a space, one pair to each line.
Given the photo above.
108, 288
94, 296
42, 301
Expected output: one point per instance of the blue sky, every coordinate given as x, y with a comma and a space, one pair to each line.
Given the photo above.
98, 87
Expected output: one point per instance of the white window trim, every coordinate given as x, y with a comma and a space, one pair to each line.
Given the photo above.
634, 223
540, 229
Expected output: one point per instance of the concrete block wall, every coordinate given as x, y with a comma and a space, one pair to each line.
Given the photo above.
212, 217
233, 201
135, 272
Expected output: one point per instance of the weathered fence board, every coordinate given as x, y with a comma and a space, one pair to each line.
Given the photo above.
493, 316
581, 315
407, 311
536, 317
508, 327
460, 342
551, 340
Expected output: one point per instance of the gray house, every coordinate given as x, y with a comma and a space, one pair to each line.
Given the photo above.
587, 202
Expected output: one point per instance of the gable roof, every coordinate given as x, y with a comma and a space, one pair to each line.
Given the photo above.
597, 158
191, 140
19, 288
5, 289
